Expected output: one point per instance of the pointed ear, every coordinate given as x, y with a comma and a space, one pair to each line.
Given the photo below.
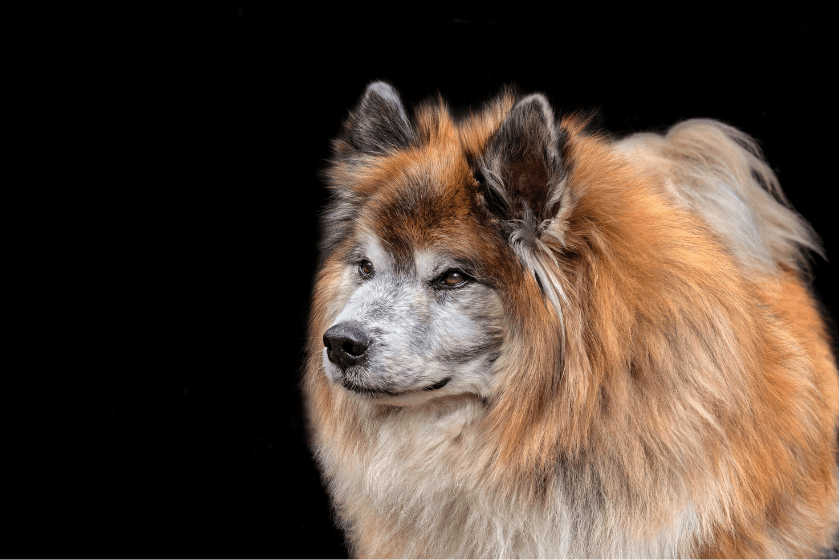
522, 165
378, 125
524, 189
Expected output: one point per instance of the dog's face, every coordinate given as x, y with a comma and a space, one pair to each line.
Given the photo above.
412, 329
422, 247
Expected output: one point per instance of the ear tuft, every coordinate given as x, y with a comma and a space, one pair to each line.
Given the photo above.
378, 125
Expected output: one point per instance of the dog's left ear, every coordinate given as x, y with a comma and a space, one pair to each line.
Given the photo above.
522, 167
377, 126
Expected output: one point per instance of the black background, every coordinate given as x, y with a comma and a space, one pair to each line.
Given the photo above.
186, 437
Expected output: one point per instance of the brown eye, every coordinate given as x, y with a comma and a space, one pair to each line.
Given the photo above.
454, 278
366, 268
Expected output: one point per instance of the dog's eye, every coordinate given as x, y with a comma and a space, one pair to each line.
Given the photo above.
453, 279
366, 268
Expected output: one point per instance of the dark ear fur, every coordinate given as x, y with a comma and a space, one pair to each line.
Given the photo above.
378, 125
522, 165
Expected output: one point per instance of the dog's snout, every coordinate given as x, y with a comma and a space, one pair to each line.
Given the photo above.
346, 344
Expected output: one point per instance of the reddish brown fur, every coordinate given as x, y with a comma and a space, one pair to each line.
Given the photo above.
685, 379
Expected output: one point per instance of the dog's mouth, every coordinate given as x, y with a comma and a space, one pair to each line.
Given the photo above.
437, 385
349, 385
365, 390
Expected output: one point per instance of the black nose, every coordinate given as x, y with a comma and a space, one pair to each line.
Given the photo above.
346, 344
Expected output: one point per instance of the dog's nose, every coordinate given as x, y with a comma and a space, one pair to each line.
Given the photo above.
346, 344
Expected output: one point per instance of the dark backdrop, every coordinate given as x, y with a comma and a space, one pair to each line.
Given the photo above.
191, 437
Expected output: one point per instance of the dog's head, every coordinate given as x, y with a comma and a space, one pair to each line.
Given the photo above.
438, 243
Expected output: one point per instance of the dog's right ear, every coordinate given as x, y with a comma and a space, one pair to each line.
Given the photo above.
377, 126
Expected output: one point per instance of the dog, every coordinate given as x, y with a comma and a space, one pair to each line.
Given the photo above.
528, 339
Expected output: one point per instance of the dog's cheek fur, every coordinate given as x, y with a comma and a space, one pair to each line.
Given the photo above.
467, 333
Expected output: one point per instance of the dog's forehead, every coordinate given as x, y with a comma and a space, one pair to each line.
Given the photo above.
428, 200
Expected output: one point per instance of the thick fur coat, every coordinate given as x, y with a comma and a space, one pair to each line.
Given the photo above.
529, 340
